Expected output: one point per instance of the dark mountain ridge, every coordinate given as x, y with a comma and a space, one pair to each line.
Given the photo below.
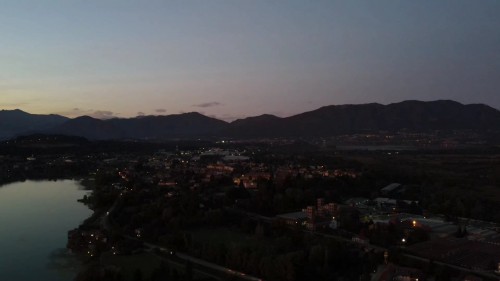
16, 122
186, 125
88, 127
347, 119
417, 116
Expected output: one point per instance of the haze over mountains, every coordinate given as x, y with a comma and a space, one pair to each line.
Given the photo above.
326, 121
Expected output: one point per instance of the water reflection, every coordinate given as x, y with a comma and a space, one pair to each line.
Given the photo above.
34, 220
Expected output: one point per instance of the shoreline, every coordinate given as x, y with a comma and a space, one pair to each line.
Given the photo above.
55, 199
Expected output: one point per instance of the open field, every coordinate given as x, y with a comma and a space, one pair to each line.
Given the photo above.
129, 264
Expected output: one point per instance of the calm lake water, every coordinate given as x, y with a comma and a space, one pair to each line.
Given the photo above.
35, 217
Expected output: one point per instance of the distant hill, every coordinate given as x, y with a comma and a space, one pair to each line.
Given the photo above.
88, 127
17, 122
330, 120
346, 119
187, 125
263, 125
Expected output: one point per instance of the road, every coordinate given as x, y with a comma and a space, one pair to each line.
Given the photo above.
105, 223
202, 264
203, 271
485, 274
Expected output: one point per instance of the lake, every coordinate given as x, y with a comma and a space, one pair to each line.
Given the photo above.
35, 217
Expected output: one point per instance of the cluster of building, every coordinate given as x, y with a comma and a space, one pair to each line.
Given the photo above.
313, 217
469, 244
211, 164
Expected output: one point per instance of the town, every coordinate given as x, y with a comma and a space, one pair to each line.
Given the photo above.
227, 210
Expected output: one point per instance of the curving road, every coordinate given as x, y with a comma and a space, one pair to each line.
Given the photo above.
106, 225
204, 263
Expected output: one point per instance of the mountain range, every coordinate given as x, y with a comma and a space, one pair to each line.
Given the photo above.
17, 122
330, 120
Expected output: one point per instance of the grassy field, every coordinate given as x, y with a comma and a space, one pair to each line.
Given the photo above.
227, 236
146, 262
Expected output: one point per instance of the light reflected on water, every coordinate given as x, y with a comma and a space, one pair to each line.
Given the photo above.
34, 220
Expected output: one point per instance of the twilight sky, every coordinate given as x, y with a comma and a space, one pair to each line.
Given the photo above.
239, 58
